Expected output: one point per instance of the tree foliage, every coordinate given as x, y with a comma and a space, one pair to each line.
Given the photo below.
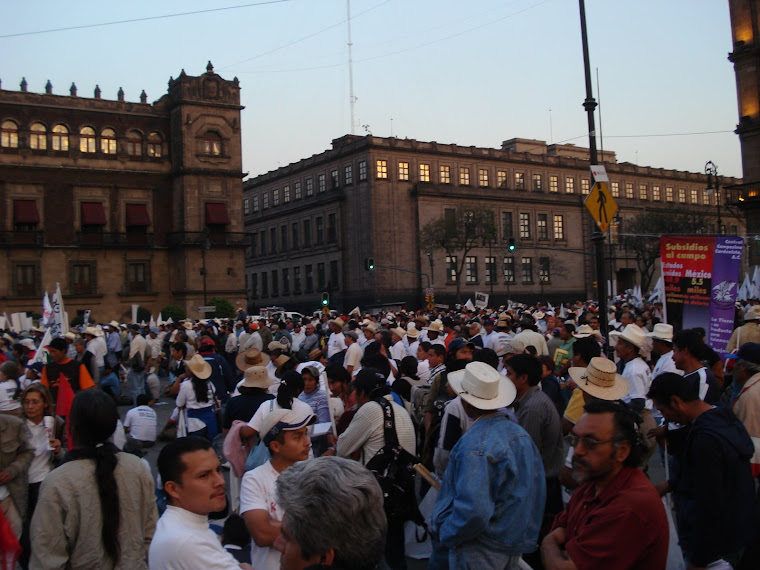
223, 308
175, 312
640, 236
457, 232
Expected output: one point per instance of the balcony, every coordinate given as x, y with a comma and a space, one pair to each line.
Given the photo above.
114, 239
21, 239
742, 195
212, 239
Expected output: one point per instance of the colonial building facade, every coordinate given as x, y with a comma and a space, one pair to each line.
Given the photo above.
314, 223
120, 202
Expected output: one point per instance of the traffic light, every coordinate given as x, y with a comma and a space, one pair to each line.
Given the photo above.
369, 263
325, 299
511, 244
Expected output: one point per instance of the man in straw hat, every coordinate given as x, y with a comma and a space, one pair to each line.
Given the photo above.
491, 503
336, 343
615, 518
748, 332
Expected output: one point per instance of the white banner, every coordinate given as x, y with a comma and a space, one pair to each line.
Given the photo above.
42, 353
59, 325
481, 299
47, 310
86, 317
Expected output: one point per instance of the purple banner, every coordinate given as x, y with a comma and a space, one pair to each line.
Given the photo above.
727, 262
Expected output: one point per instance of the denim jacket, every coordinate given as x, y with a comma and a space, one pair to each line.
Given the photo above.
493, 489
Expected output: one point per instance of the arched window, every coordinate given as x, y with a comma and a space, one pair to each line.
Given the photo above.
212, 144
60, 138
134, 143
38, 137
87, 139
154, 145
108, 141
9, 135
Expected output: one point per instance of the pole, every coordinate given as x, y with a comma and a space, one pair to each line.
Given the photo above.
598, 237
712, 175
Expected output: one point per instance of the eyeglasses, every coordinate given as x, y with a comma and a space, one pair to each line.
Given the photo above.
588, 441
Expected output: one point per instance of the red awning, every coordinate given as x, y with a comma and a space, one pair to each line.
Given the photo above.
216, 214
137, 215
93, 214
25, 212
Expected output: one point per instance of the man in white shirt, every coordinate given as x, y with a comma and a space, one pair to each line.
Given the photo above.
662, 344
140, 422
337, 342
354, 353
284, 432
137, 376
194, 486
398, 350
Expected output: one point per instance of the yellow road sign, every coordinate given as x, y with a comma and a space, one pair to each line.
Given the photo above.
602, 205
325, 310
430, 306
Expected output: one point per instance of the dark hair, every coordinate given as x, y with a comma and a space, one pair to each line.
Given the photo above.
626, 427
569, 328
93, 420
531, 350
486, 355
670, 384
587, 348
142, 400
547, 361
235, 531
200, 387
170, 464
291, 386
371, 382
408, 367
425, 345
691, 340
337, 373
378, 362
180, 347
526, 364
372, 349
439, 349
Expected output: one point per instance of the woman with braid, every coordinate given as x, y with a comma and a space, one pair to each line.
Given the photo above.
97, 510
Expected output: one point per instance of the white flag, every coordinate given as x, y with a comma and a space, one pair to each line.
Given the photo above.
134, 313
47, 310
42, 353
86, 317
469, 306
755, 292
59, 325
160, 320
152, 322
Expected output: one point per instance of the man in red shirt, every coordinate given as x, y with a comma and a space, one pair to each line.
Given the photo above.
615, 519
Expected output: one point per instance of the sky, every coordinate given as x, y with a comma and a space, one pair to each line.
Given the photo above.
473, 72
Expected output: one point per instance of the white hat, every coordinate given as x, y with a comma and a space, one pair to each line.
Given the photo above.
600, 379
753, 313
28, 343
114, 324
284, 420
435, 326
662, 332
585, 331
256, 377
399, 332
509, 346
633, 334
199, 367
481, 386
411, 331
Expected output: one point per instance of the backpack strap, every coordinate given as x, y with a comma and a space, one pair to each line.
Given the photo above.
389, 424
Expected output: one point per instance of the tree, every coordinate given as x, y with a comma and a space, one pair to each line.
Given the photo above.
641, 237
223, 308
457, 232
174, 312
550, 267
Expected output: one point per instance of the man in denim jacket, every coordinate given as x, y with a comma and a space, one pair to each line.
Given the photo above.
491, 502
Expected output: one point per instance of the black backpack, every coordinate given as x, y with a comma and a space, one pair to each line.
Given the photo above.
393, 467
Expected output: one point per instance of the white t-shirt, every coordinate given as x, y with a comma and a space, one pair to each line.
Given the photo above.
41, 461
335, 344
141, 422
186, 396
183, 541
7, 391
257, 492
353, 358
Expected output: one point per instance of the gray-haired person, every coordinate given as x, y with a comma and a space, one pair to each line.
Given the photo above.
333, 516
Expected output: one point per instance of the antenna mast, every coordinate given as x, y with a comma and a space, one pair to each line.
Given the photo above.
351, 97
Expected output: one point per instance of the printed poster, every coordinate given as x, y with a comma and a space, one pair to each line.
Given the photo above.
701, 281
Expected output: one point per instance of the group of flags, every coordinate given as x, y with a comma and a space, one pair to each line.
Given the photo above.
750, 287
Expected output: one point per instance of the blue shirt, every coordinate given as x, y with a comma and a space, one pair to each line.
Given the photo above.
493, 489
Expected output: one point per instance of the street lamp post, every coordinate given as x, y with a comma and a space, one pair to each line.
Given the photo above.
712, 174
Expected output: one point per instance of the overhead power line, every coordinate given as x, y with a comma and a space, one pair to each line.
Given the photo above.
144, 19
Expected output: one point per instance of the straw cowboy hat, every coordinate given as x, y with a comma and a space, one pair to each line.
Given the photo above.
600, 379
585, 331
114, 324
90, 331
435, 326
251, 357
199, 367
633, 334
753, 314
370, 327
315, 354
338, 321
662, 332
411, 331
399, 332
481, 386
256, 377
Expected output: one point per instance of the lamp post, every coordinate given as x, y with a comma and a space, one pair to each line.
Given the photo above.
712, 173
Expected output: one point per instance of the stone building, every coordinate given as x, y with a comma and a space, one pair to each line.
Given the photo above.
122, 202
314, 223
745, 33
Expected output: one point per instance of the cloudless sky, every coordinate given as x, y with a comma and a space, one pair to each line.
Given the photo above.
471, 72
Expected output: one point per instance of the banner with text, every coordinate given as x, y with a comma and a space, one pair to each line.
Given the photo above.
701, 281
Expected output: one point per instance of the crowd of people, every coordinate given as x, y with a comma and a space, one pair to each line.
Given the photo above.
530, 432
